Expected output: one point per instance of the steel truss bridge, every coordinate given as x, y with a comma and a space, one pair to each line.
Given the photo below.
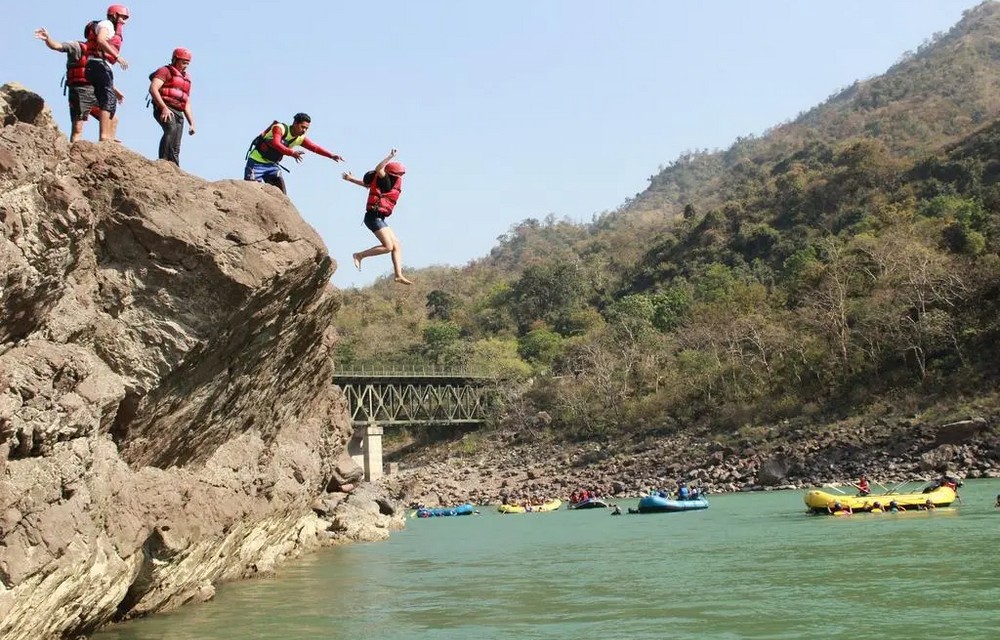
416, 396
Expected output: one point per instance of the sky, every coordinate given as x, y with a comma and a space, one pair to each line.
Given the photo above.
501, 111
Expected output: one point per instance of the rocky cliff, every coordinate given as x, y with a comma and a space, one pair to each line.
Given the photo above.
166, 416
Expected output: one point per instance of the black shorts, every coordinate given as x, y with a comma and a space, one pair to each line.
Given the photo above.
81, 100
99, 74
374, 221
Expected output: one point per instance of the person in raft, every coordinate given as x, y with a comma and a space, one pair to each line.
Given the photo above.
864, 488
384, 184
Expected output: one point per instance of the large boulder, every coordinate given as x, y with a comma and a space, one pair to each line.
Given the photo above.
166, 412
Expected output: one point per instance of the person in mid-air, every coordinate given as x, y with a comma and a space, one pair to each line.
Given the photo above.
384, 184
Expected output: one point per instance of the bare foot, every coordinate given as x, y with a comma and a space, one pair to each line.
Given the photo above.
357, 261
402, 280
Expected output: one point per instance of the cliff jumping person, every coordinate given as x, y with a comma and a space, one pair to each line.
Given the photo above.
384, 184
170, 91
104, 43
274, 143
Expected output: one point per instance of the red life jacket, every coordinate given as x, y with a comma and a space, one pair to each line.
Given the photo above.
175, 91
76, 72
95, 49
383, 203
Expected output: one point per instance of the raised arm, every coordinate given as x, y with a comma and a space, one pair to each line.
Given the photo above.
380, 167
55, 45
347, 175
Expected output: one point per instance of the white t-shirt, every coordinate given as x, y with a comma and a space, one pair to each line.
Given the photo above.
105, 25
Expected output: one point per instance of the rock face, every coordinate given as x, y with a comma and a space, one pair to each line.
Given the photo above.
166, 416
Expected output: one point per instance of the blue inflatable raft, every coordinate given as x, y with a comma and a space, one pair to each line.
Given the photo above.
659, 504
460, 510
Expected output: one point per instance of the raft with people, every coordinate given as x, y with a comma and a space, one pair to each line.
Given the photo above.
938, 495
441, 512
550, 505
591, 502
585, 499
657, 503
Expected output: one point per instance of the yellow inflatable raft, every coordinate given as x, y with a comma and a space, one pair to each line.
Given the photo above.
551, 505
818, 501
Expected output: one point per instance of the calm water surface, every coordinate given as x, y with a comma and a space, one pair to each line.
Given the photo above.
751, 566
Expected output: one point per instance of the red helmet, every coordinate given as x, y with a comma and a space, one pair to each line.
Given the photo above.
395, 169
116, 10
180, 53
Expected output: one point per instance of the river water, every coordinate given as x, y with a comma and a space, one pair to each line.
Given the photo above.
751, 566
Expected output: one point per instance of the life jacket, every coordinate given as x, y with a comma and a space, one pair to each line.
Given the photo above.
76, 72
383, 203
175, 91
262, 149
95, 50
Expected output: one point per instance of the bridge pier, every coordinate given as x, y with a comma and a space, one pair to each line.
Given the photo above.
366, 450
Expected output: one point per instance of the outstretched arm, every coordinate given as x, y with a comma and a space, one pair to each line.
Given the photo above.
315, 148
276, 141
347, 175
380, 167
55, 45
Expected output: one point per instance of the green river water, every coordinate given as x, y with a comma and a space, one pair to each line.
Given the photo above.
751, 566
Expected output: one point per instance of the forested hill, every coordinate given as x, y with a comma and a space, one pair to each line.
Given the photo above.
844, 261
933, 96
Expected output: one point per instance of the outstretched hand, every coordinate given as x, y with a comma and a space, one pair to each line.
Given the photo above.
41, 34
298, 156
338, 158
347, 175
122, 63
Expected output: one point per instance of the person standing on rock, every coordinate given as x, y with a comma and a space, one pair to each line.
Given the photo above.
82, 101
384, 184
170, 90
104, 42
277, 141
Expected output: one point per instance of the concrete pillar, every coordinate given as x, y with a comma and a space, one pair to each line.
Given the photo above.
373, 451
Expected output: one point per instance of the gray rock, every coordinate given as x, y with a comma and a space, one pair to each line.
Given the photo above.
165, 404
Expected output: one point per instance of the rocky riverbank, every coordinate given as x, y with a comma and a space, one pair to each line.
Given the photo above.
491, 467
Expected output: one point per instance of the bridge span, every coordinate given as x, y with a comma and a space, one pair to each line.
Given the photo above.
397, 397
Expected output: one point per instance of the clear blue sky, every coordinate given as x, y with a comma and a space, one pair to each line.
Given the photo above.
501, 111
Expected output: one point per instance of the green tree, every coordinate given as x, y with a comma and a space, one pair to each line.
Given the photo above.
540, 346
549, 293
440, 305
440, 342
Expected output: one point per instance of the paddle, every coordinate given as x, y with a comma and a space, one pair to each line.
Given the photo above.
893, 490
835, 489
